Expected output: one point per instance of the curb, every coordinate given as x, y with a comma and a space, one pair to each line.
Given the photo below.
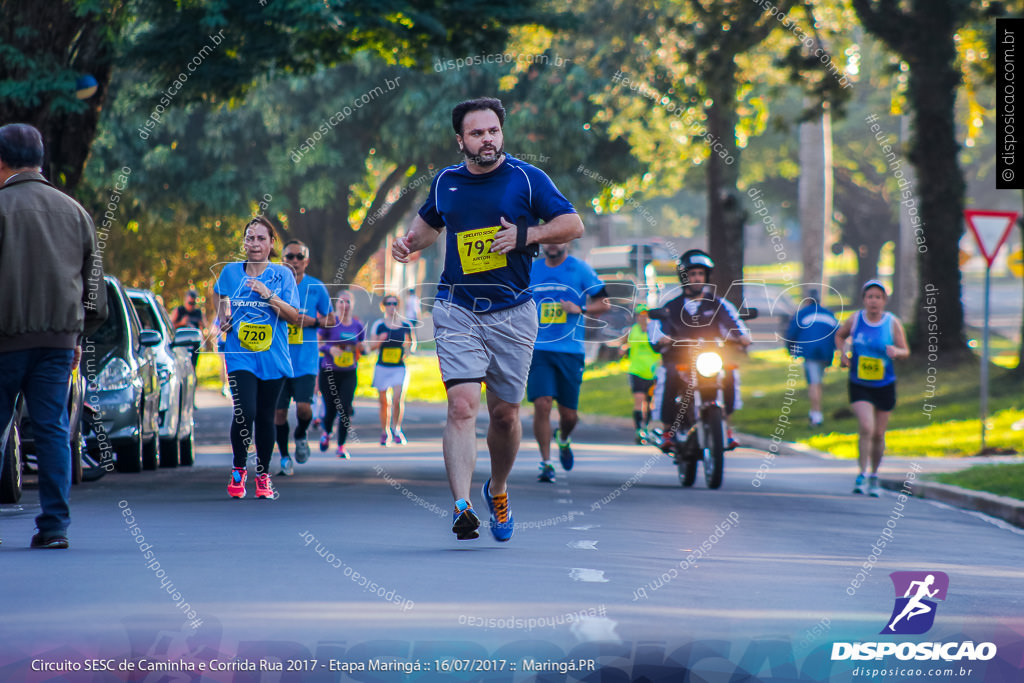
1009, 510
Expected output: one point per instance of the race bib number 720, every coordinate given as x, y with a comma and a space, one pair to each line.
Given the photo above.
255, 337
475, 250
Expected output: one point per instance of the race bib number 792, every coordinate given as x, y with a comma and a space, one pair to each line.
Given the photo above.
475, 250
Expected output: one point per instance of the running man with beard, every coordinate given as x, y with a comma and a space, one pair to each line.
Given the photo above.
496, 209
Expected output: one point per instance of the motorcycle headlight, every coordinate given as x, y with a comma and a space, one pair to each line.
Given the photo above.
115, 376
709, 364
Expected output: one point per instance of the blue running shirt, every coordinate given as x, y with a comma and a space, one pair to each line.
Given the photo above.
302, 341
573, 280
871, 365
258, 341
470, 206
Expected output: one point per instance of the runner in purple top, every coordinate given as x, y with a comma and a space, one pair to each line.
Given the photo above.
340, 348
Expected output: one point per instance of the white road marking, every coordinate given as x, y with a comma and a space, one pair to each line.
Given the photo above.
583, 545
599, 629
588, 575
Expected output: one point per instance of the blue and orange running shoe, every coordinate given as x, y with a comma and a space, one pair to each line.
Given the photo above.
502, 524
236, 487
465, 523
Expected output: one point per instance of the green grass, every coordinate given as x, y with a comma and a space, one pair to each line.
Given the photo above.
952, 430
1003, 480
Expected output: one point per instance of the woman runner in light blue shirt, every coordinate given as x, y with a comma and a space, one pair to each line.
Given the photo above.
255, 301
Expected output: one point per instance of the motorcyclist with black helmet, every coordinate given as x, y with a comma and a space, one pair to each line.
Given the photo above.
693, 316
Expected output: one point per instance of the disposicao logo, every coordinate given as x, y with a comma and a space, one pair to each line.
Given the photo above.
913, 614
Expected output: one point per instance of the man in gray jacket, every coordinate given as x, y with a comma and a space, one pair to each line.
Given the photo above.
51, 294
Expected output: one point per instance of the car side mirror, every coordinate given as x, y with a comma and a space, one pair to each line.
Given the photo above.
188, 336
150, 338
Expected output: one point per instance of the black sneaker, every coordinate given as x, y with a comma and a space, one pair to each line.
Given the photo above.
547, 472
565, 455
53, 541
465, 523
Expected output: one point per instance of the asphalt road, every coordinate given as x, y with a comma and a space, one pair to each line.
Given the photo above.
615, 565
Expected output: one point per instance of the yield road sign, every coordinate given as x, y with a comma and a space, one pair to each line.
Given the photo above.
990, 230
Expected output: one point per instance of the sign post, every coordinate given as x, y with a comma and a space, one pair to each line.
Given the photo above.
990, 230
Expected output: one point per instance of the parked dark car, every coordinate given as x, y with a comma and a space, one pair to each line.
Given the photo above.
177, 378
123, 385
19, 456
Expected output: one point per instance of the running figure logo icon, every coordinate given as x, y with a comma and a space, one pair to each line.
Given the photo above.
914, 612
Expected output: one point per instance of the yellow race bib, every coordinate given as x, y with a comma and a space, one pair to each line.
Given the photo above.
870, 369
474, 251
345, 359
391, 356
255, 337
551, 313
294, 334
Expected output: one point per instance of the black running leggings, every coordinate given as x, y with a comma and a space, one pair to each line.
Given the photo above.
255, 401
338, 387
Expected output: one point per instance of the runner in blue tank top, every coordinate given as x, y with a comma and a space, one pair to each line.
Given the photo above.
876, 339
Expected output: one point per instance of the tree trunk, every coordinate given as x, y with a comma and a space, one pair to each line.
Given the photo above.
726, 215
57, 42
815, 196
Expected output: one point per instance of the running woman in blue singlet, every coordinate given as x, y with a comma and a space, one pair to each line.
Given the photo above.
876, 339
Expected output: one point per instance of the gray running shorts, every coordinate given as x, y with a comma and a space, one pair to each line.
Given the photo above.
493, 348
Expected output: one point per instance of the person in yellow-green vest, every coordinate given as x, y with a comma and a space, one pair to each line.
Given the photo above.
643, 359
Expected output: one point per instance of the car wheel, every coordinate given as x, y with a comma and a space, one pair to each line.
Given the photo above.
129, 453
10, 478
187, 449
150, 453
76, 456
169, 452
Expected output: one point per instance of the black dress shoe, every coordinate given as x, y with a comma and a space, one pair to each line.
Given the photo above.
56, 541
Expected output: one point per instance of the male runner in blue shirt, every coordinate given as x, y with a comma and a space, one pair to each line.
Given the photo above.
562, 286
314, 311
485, 322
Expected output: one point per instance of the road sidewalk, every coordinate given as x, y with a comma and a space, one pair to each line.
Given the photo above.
893, 473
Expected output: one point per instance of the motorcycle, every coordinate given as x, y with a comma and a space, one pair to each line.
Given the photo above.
704, 437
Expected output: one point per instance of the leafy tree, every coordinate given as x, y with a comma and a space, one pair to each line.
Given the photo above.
220, 48
340, 177
923, 33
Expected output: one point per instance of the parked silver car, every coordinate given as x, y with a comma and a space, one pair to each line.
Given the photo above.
177, 378
119, 366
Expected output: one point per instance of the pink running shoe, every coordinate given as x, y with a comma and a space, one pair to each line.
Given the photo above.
236, 487
264, 489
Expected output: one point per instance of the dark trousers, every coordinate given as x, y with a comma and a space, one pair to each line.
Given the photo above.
255, 402
42, 375
338, 387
